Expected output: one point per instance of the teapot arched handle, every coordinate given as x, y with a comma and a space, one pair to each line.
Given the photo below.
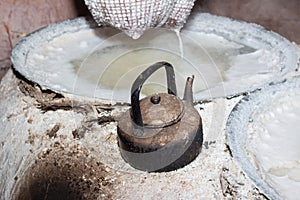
138, 83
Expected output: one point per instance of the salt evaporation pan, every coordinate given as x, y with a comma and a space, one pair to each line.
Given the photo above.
263, 134
227, 58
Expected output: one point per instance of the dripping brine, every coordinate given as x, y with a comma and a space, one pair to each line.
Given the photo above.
177, 31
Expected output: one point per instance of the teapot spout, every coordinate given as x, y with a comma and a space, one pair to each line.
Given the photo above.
188, 91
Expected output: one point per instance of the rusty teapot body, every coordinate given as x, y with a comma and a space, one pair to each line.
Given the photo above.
161, 132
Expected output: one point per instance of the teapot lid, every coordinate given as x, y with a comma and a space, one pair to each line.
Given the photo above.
161, 110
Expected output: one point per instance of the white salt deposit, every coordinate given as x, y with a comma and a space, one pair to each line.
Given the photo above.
102, 64
274, 141
90, 65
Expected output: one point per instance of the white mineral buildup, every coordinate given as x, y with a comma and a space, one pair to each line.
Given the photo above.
102, 63
263, 135
135, 16
274, 141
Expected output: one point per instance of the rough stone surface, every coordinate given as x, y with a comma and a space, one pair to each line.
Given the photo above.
18, 18
43, 151
40, 155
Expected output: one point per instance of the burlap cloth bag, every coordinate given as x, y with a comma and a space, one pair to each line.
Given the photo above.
135, 16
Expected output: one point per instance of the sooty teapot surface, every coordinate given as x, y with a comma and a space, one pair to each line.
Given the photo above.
160, 132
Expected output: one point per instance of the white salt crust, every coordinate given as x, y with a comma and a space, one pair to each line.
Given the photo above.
227, 58
263, 133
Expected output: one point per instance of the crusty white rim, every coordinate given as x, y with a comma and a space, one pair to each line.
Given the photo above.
237, 31
236, 134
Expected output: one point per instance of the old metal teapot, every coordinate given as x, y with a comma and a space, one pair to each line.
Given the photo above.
161, 132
